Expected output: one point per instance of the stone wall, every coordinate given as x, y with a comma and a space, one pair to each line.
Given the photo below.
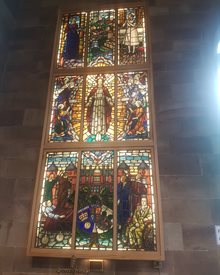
187, 111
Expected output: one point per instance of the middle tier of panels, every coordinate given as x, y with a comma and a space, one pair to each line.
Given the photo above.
100, 107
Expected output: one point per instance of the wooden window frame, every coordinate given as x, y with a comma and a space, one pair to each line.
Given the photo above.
46, 147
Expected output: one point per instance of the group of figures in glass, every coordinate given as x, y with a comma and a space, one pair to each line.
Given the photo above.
95, 215
99, 105
102, 38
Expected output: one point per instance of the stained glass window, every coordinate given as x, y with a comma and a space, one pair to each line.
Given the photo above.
136, 207
54, 227
133, 106
95, 201
97, 189
71, 51
101, 45
131, 36
99, 108
66, 109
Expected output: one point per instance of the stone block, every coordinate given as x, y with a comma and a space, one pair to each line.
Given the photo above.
198, 237
211, 164
44, 264
215, 204
154, 272
168, 128
162, 46
201, 7
157, 36
192, 44
5, 227
137, 267
163, 145
21, 150
190, 187
167, 265
20, 168
187, 211
6, 187
184, 8
28, 33
18, 234
188, 89
198, 126
48, 16
18, 134
22, 211
214, 186
6, 208
162, 93
179, 165
24, 81
11, 118
215, 143
175, 103
30, 273
191, 145
158, 11
24, 264
178, 20
179, 113
182, 34
24, 189
164, 57
173, 237
174, 77
32, 99
196, 262
33, 61
33, 117
6, 259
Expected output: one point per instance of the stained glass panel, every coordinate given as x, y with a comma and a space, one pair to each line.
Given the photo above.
99, 108
135, 196
71, 50
54, 227
131, 36
95, 201
101, 45
66, 109
133, 106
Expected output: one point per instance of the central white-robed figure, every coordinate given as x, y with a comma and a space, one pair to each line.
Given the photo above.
99, 107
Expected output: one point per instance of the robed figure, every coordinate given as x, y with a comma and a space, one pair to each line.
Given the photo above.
71, 47
99, 108
131, 39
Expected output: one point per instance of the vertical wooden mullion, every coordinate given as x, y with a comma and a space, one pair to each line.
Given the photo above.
116, 106
116, 37
76, 201
87, 40
115, 222
83, 108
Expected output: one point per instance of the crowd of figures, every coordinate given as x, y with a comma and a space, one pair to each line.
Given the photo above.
95, 205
